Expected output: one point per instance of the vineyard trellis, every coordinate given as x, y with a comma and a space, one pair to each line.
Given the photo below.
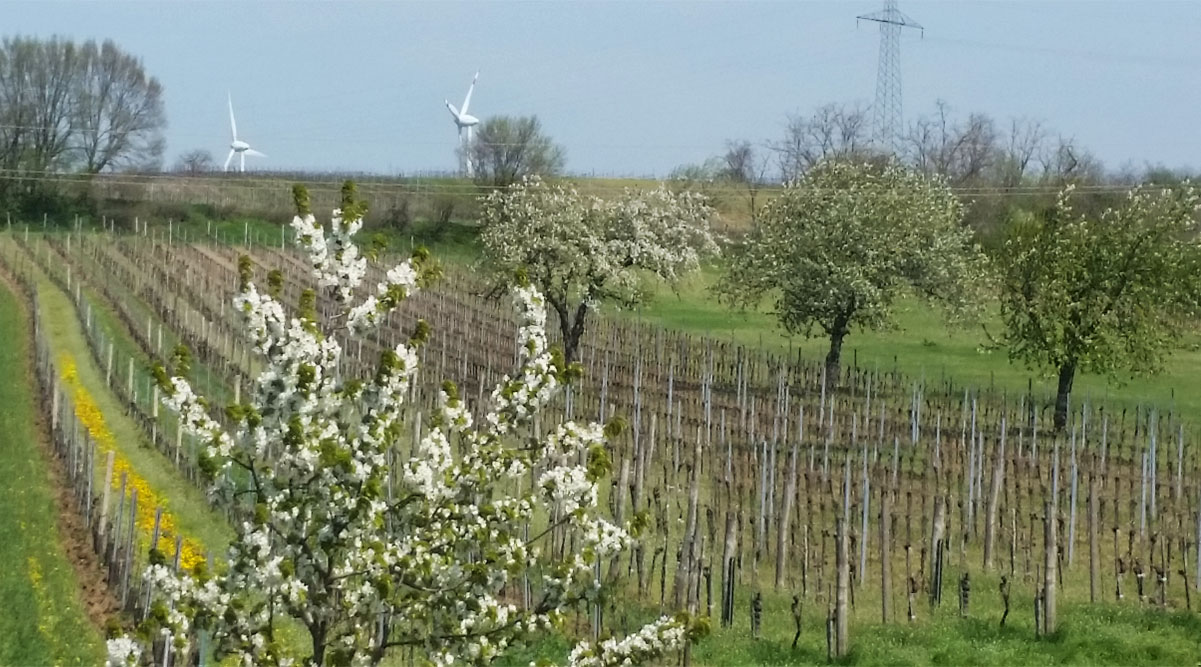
822, 494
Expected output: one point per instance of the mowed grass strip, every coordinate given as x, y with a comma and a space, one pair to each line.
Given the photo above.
187, 503
43, 620
1101, 634
923, 346
1106, 633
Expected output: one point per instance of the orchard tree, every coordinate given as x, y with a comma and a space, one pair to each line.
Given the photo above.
1101, 293
579, 250
837, 247
367, 556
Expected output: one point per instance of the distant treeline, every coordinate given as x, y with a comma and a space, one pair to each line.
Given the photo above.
77, 108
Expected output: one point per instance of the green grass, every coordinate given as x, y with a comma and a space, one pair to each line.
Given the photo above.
1105, 633
43, 621
921, 346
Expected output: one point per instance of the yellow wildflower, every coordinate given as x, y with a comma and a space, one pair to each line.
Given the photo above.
92, 418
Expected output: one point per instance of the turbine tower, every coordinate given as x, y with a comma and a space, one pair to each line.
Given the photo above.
465, 121
238, 146
887, 110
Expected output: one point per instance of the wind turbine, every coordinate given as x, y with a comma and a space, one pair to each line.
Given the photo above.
465, 121
237, 146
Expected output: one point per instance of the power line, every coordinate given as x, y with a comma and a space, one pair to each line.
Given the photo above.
282, 183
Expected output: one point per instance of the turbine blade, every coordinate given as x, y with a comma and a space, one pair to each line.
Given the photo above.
228, 160
471, 89
233, 124
453, 111
251, 151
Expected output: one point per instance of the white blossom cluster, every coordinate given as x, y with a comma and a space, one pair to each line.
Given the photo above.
397, 284
635, 649
336, 261
835, 250
577, 245
515, 400
365, 550
123, 652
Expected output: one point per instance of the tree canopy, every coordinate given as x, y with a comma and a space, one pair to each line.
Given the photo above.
67, 106
506, 149
1101, 293
580, 250
70, 107
837, 247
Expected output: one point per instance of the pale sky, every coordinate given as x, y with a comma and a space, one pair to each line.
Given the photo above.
634, 88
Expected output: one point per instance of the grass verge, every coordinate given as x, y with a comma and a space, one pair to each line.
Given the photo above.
44, 621
186, 503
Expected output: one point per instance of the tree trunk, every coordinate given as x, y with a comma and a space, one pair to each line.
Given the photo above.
570, 326
1067, 375
834, 357
317, 633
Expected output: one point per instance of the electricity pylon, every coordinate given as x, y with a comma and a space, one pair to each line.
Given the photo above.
886, 126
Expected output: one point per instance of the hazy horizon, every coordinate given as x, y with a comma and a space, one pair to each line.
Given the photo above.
634, 88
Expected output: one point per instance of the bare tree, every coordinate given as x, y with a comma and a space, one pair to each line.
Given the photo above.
18, 58
1064, 162
706, 178
66, 107
506, 148
833, 131
698, 175
195, 162
962, 152
119, 110
36, 79
740, 162
1022, 148
51, 78
745, 166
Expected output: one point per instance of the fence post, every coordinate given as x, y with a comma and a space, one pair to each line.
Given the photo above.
1049, 567
108, 490
132, 540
